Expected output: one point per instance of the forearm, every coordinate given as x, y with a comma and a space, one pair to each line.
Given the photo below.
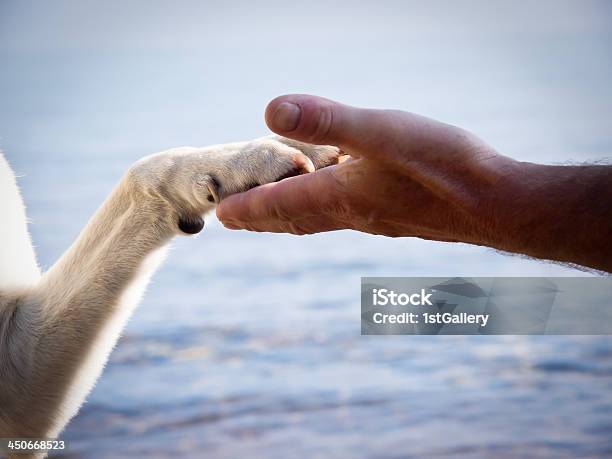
561, 213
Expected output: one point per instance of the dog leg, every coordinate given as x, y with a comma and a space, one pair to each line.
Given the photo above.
56, 337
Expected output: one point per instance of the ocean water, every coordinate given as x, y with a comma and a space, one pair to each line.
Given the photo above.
248, 345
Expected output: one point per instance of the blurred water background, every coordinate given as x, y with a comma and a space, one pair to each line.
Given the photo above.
248, 345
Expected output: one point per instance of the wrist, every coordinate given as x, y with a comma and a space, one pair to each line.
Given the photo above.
559, 213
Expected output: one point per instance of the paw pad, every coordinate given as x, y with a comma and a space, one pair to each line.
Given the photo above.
191, 225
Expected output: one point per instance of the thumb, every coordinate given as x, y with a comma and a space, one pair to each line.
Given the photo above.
391, 136
322, 121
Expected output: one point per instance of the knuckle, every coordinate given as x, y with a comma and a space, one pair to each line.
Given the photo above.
252, 227
299, 229
464, 139
280, 212
339, 202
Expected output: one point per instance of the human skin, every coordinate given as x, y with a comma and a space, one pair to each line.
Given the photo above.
407, 175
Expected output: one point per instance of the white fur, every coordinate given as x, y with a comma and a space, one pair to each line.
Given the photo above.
18, 267
57, 330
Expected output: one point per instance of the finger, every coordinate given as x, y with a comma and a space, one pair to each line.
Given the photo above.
387, 135
278, 206
272, 200
299, 226
321, 121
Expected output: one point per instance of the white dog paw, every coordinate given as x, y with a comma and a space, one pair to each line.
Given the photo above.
271, 159
192, 181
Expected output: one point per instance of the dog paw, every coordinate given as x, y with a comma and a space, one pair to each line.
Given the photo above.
274, 158
192, 181
319, 155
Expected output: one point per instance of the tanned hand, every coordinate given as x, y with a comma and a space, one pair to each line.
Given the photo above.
407, 175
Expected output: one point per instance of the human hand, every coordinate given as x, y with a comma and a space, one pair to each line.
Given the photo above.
408, 175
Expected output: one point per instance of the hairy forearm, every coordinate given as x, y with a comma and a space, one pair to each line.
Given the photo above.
561, 213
